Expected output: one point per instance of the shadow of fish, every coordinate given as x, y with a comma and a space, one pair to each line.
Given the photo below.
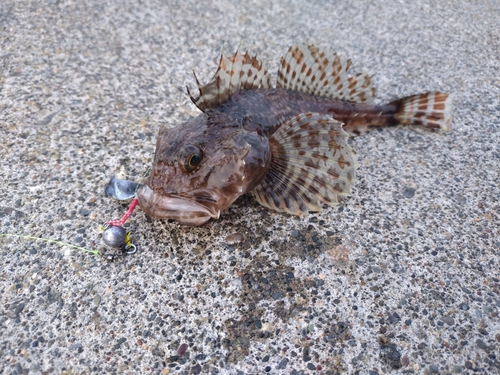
286, 145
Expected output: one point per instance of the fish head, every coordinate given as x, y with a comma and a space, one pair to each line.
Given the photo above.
201, 168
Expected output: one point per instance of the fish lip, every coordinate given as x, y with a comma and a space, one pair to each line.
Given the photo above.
184, 210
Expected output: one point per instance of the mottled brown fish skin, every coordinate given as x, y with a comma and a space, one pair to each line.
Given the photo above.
265, 110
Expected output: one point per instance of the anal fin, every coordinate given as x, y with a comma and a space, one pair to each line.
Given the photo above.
311, 165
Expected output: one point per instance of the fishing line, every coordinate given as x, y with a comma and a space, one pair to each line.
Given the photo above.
95, 252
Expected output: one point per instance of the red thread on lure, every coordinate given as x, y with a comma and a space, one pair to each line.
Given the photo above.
125, 217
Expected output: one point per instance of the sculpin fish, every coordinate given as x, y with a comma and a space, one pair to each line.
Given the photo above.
287, 145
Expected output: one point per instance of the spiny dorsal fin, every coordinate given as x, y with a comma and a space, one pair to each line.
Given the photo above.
310, 70
311, 164
238, 72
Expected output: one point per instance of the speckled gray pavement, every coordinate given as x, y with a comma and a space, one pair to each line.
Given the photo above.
401, 277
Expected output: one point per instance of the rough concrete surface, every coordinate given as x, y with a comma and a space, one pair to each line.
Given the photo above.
403, 276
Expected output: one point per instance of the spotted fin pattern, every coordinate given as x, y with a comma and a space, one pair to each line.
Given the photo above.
432, 110
238, 72
310, 70
311, 164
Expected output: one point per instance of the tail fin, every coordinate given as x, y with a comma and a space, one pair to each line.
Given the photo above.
432, 110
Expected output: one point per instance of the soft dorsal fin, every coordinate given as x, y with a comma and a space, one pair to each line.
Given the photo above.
238, 72
311, 164
310, 70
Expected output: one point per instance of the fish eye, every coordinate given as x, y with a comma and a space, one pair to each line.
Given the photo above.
193, 158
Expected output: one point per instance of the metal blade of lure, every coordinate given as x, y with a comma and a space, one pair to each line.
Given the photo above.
121, 189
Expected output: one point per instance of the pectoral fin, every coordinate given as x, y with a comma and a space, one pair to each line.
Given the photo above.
311, 165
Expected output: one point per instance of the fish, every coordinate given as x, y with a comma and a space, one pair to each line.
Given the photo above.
287, 145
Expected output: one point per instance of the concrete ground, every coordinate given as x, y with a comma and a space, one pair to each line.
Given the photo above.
401, 277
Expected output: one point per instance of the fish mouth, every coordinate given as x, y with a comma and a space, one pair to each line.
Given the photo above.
185, 210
